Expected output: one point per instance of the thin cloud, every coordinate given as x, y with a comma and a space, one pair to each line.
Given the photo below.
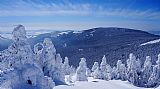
31, 8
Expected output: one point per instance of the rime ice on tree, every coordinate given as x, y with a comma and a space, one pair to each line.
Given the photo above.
103, 66
97, 74
147, 69
81, 71
121, 70
132, 70
66, 66
95, 65
50, 62
20, 51
154, 79
23, 72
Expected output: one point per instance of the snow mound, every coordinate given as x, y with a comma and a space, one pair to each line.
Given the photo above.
151, 42
100, 84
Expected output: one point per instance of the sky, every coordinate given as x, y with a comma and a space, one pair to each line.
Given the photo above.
80, 14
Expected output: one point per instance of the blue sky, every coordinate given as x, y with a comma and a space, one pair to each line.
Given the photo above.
80, 14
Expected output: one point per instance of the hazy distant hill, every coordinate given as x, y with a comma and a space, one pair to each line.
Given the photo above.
4, 42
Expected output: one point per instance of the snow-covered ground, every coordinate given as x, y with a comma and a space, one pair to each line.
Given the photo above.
100, 84
151, 42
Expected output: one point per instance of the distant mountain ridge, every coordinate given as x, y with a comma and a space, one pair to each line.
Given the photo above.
115, 43
155, 32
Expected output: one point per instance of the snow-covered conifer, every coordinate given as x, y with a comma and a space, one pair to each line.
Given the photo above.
66, 66
72, 70
154, 79
81, 71
20, 51
48, 57
132, 75
57, 72
88, 72
138, 65
38, 49
23, 72
94, 67
108, 72
121, 70
123, 75
114, 73
97, 74
50, 62
109, 69
119, 63
103, 66
147, 70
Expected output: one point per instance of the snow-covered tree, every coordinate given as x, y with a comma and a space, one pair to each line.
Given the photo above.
81, 71
50, 62
138, 65
88, 72
132, 75
72, 77
109, 69
23, 72
20, 51
108, 72
114, 73
38, 49
45, 55
59, 63
154, 79
103, 67
49, 53
94, 67
97, 74
5, 58
158, 62
57, 72
147, 70
72, 70
103, 64
66, 66
119, 63
121, 70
